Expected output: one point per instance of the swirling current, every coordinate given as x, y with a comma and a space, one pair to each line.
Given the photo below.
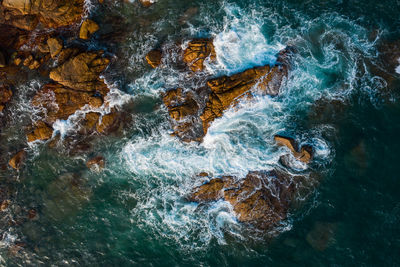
340, 97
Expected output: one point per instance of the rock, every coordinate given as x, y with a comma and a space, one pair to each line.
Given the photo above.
2, 60
55, 46
262, 198
322, 235
17, 160
61, 102
51, 14
147, 3
5, 95
82, 72
88, 27
41, 131
32, 214
107, 123
4, 204
96, 163
154, 58
197, 52
304, 155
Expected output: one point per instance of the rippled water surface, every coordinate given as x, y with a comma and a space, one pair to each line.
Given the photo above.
340, 97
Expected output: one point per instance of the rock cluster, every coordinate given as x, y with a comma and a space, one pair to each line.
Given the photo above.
197, 52
262, 198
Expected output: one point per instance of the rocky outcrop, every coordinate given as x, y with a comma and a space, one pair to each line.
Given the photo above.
41, 131
304, 154
88, 27
153, 58
5, 96
26, 14
16, 161
197, 52
192, 112
55, 46
262, 198
82, 72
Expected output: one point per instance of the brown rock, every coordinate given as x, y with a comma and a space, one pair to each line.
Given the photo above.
96, 163
305, 153
41, 132
107, 123
61, 102
5, 95
17, 160
88, 27
146, 3
32, 214
4, 204
197, 52
154, 58
26, 14
2, 60
82, 72
55, 46
262, 198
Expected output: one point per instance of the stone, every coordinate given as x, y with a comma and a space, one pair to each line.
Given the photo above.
197, 52
107, 123
262, 198
147, 3
2, 60
88, 27
153, 58
16, 161
5, 95
55, 46
82, 72
4, 204
41, 132
32, 214
96, 163
305, 153
60, 102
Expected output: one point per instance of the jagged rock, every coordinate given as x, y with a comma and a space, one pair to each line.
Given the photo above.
107, 123
96, 163
2, 60
26, 14
41, 131
305, 153
61, 102
16, 161
55, 46
154, 58
197, 52
146, 3
5, 96
82, 72
262, 198
88, 27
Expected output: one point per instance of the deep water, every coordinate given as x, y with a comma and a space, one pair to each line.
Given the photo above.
341, 97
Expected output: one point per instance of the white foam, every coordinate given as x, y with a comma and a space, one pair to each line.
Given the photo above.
398, 67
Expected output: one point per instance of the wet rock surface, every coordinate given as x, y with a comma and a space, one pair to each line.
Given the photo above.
88, 27
262, 198
197, 52
17, 160
304, 154
153, 58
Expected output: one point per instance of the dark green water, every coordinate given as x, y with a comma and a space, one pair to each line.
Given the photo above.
341, 97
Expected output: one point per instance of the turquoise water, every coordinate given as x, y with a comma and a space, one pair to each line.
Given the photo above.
135, 212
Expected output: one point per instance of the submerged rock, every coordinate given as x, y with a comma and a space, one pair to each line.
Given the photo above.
88, 27
305, 153
197, 52
16, 161
262, 198
153, 58
322, 235
96, 163
82, 72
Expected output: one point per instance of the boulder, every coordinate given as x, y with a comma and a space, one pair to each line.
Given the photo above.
16, 161
61, 102
154, 58
262, 198
82, 72
88, 27
55, 46
197, 52
5, 96
41, 131
304, 154
147, 3
26, 14
107, 123
96, 163
2, 60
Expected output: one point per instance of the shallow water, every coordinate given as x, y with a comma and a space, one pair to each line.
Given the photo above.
135, 212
